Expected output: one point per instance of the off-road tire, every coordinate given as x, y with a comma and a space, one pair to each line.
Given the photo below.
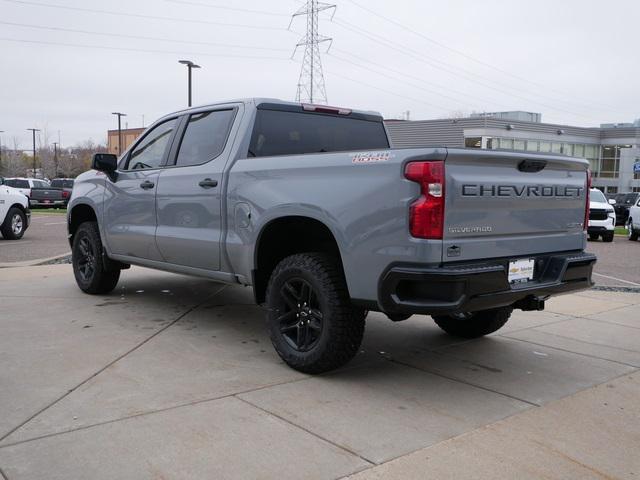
593, 237
6, 228
607, 237
341, 324
476, 324
632, 233
88, 267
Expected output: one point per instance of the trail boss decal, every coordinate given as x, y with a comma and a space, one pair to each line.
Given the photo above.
371, 157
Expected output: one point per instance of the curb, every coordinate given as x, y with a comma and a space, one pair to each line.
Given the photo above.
33, 263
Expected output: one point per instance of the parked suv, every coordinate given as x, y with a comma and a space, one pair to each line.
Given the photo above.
633, 222
313, 207
624, 201
602, 217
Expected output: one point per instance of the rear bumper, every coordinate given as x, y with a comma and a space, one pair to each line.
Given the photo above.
409, 289
50, 203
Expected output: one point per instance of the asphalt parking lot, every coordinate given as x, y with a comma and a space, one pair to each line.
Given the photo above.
175, 377
46, 237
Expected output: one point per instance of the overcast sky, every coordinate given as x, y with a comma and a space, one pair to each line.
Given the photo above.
576, 61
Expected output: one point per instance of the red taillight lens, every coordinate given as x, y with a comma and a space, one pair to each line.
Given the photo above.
426, 214
586, 207
65, 194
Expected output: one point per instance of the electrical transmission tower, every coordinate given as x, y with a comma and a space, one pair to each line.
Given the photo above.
311, 87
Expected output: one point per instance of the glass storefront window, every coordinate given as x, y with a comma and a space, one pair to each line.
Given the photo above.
578, 150
556, 147
518, 144
567, 149
473, 142
545, 146
506, 143
532, 145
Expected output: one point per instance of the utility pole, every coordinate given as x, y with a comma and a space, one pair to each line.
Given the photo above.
120, 115
1, 131
55, 159
190, 65
311, 87
34, 130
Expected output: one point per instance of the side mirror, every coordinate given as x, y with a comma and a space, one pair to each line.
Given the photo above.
104, 162
612, 201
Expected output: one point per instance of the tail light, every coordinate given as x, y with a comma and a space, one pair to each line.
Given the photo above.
426, 214
65, 194
586, 207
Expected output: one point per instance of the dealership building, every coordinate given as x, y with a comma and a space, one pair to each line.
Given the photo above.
613, 150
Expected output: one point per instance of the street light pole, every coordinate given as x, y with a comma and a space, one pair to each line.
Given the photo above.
34, 130
1, 131
55, 159
120, 115
190, 65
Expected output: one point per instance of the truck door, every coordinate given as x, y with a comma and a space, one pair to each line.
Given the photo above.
189, 195
130, 198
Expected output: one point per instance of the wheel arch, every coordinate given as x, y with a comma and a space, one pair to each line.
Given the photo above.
79, 214
288, 235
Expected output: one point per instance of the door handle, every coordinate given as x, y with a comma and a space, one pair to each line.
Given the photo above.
146, 185
208, 183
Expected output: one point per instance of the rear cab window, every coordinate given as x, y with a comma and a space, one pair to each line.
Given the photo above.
289, 130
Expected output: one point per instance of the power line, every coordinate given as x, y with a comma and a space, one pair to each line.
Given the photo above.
232, 9
459, 52
139, 15
434, 63
140, 37
402, 75
123, 49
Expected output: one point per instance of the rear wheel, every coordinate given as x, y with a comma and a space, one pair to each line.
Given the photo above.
312, 323
88, 267
632, 233
607, 237
475, 324
593, 236
15, 223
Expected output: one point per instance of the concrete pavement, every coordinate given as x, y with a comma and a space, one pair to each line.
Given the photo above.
175, 377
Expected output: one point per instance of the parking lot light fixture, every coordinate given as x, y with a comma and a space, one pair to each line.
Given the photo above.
190, 65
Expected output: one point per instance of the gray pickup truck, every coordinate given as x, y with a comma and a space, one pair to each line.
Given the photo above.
312, 207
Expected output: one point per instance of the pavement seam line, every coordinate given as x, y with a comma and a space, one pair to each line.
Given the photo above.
590, 343
575, 353
482, 427
310, 432
144, 414
3, 475
609, 322
113, 362
487, 389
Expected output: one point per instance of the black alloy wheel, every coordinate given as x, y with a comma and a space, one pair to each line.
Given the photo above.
301, 319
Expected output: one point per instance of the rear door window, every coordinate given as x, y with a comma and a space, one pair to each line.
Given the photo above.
292, 133
18, 183
205, 137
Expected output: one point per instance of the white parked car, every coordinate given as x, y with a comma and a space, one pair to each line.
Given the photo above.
26, 184
602, 217
633, 222
14, 212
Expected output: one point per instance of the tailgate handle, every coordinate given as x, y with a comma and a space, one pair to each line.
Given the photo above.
531, 166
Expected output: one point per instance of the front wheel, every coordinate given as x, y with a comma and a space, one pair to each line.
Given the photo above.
593, 237
88, 267
14, 224
607, 237
632, 233
312, 323
476, 324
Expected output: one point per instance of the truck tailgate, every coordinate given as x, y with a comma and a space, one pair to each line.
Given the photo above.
506, 204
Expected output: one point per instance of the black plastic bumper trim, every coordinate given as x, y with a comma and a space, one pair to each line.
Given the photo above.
409, 289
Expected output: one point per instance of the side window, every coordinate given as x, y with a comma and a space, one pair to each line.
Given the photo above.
205, 137
150, 152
